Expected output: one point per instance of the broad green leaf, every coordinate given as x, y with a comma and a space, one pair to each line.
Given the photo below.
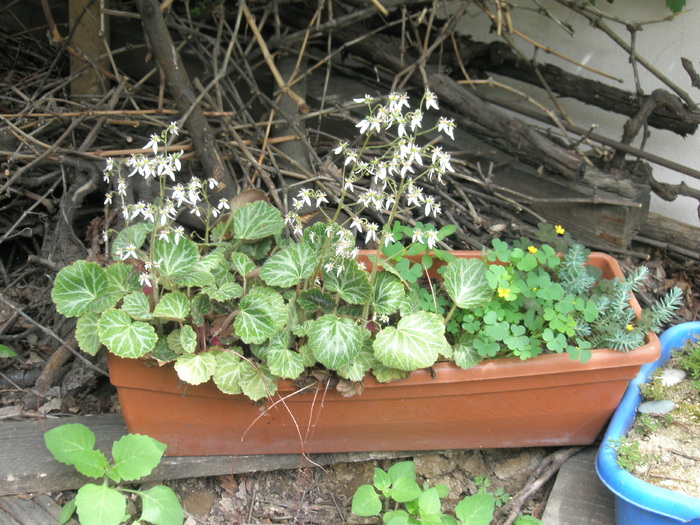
161, 352
410, 303
6, 351
90, 463
335, 340
314, 299
135, 456
466, 283
289, 266
465, 355
195, 277
257, 382
66, 440
134, 235
284, 362
201, 306
86, 333
476, 509
196, 369
356, 368
77, 287
262, 314
160, 506
174, 306
386, 374
175, 342
100, 505
366, 501
121, 280
213, 260
121, 276
405, 489
175, 258
124, 337
223, 291
415, 343
137, 305
388, 293
227, 375
188, 339
429, 503
257, 220
242, 263
402, 469
67, 512
351, 283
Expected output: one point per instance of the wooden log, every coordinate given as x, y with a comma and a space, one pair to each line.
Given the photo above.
27, 466
670, 232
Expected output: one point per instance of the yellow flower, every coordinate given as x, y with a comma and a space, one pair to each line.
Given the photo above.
559, 229
532, 249
629, 327
503, 292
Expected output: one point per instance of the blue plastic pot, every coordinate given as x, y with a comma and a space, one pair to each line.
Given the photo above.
636, 501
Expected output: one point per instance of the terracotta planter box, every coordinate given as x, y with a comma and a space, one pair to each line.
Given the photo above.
550, 400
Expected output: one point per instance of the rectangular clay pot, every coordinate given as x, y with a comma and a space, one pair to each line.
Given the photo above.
550, 400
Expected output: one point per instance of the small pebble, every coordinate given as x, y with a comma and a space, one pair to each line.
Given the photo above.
672, 377
656, 407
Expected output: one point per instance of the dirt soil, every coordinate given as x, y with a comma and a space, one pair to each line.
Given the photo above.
671, 449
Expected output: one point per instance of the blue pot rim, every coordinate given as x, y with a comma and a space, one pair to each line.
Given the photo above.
624, 485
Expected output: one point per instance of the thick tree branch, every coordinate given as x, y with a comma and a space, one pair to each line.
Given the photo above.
181, 89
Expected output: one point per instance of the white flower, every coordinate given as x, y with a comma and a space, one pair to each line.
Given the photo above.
153, 143
431, 237
356, 223
397, 101
179, 234
348, 186
328, 267
350, 156
447, 126
406, 168
417, 235
430, 100
121, 187
224, 204
341, 148
320, 198
414, 195
416, 120
291, 218
175, 160
305, 197
173, 129
388, 238
108, 198
145, 279
130, 251
137, 209
361, 266
431, 206
366, 99
164, 235
212, 183
371, 232
364, 125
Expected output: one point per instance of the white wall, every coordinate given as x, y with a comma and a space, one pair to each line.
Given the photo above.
663, 44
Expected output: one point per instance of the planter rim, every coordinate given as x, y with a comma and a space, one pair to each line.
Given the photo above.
624, 485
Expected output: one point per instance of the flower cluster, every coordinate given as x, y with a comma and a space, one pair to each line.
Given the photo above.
383, 177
